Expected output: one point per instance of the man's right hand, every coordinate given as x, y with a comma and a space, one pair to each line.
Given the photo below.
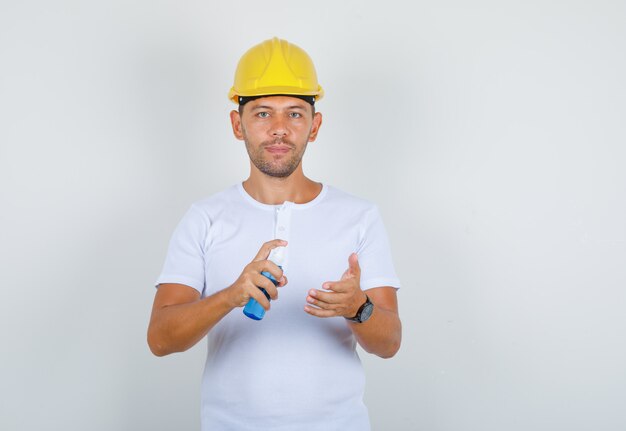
180, 318
248, 283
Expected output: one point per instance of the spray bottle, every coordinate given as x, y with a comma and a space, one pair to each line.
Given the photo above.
253, 309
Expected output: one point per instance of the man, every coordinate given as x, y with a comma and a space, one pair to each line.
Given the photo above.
297, 368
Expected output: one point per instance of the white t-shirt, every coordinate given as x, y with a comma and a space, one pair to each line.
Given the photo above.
291, 370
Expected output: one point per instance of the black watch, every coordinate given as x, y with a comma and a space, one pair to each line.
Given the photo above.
364, 313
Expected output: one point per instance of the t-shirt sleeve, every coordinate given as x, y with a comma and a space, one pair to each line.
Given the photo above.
184, 262
374, 253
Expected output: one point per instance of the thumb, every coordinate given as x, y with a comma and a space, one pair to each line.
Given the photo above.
353, 262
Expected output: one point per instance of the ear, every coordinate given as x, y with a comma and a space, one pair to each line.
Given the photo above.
317, 123
235, 121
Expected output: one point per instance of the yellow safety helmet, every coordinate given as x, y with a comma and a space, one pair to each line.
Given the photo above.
275, 66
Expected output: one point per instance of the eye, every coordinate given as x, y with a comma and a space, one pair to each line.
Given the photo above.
295, 115
263, 114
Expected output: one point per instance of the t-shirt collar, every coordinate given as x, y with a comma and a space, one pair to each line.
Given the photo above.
292, 205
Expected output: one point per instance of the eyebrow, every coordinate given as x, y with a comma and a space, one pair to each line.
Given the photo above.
272, 108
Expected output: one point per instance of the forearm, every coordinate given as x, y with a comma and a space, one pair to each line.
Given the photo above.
176, 328
381, 334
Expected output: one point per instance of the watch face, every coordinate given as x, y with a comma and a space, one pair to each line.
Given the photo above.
367, 312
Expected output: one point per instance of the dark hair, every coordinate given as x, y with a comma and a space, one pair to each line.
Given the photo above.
245, 99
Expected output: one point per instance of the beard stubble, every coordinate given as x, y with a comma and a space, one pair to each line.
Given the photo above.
278, 166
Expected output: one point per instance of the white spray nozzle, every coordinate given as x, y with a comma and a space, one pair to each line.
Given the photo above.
277, 255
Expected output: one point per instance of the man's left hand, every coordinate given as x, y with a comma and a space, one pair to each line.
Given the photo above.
340, 298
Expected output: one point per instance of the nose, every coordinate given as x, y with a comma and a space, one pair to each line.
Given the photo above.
278, 127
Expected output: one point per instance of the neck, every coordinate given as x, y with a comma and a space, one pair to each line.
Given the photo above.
269, 190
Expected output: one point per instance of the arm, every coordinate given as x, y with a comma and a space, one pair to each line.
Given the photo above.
180, 318
381, 334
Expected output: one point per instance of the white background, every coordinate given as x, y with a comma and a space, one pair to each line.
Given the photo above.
491, 135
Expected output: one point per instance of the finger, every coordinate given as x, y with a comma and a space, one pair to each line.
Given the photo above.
335, 308
317, 312
320, 304
264, 282
265, 249
260, 297
283, 281
342, 286
269, 266
326, 297
353, 262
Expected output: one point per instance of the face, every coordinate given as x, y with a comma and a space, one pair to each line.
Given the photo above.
276, 131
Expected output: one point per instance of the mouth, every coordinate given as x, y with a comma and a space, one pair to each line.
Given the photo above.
278, 149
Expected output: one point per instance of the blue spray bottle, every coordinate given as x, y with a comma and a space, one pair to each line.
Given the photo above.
253, 309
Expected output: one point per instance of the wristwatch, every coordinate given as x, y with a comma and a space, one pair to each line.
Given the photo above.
364, 313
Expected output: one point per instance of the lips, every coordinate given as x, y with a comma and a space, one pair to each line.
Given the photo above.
278, 149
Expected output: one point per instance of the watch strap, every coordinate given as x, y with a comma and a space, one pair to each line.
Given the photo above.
360, 317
